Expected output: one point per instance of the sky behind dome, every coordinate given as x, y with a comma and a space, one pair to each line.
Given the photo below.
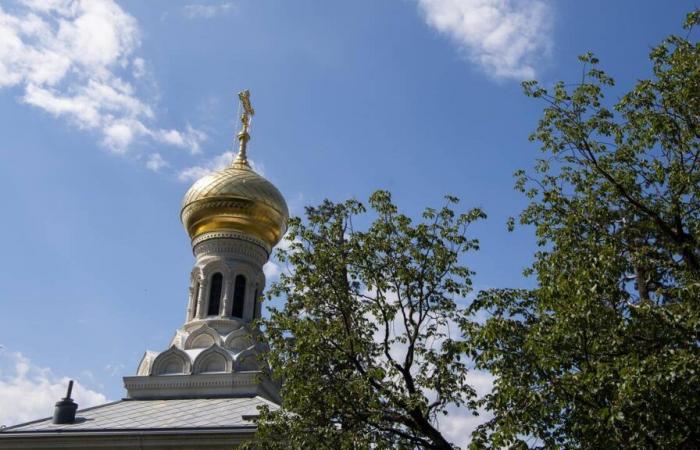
110, 109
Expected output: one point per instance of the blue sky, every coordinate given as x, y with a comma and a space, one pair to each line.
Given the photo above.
109, 109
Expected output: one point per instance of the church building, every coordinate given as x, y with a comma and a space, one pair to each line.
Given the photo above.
203, 390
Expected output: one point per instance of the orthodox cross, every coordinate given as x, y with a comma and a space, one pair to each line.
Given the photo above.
247, 112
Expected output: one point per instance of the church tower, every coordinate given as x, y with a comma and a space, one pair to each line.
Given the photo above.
203, 391
234, 218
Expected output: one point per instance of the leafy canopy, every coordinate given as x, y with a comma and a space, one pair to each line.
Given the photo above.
364, 341
605, 352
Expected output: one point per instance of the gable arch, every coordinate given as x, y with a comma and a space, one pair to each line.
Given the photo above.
247, 360
172, 362
238, 342
242, 330
211, 267
203, 337
213, 360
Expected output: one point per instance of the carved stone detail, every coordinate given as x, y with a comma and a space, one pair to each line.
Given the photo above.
230, 236
194, 338
224, 248
208, 360
215, 355
171, 361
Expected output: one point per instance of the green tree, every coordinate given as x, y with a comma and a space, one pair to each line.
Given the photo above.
604, 353
363, 341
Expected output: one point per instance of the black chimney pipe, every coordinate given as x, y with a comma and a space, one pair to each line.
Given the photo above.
64, 412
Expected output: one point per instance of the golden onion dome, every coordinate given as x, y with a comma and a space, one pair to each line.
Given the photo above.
235, 199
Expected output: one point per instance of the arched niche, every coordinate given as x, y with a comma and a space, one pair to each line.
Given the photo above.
202, 337
241, 331
213, 360
238, 342
247, 360
171, 362
215, 266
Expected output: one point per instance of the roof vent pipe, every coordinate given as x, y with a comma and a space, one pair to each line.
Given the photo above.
64, 413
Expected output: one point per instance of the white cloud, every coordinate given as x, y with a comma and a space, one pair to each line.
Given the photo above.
505, 38
73, 59
272, 270
286, 242
189, 139
459, 423
28, 391
218, 162
156, 162
138, 66
197, 11
114, 369
296, 204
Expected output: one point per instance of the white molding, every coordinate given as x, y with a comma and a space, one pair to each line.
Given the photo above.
190, 439
193, 385
160, 361
203, 358
202, 329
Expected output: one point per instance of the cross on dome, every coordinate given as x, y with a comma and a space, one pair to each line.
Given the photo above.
247, 113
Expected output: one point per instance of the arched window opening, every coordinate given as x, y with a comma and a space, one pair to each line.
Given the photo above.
255, 303
238, 296
215, 294
195, 299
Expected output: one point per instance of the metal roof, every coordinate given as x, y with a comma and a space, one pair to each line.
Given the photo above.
203, 413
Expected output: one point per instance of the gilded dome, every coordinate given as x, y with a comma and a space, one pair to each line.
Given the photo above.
235, 199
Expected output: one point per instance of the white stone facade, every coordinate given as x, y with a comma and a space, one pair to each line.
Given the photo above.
217, 352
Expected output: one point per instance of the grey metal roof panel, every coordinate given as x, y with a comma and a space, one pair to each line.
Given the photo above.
156, 414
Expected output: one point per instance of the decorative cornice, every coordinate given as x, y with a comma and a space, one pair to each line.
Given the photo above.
226, 243
196, 385
220, 324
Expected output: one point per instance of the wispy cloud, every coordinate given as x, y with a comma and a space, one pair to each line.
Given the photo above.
202, 11
155, 162
459, 423
272, 270
75, 59
218, 162
505, 38
29, 391
190, 138
114, 369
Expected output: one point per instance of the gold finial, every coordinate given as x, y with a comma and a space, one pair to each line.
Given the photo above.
243, 136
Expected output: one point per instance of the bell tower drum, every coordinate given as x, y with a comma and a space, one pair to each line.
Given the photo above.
234, 217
